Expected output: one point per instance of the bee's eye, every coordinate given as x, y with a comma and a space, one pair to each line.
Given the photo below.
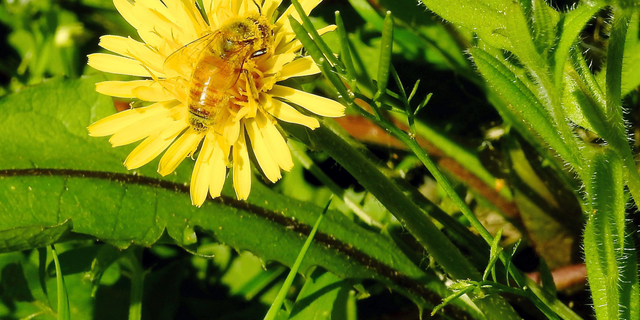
259, 53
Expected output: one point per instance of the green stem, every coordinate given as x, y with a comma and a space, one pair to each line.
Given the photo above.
345, 51
63, 299
132, 259
615, 56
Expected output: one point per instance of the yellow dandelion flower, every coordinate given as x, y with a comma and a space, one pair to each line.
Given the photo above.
211, 81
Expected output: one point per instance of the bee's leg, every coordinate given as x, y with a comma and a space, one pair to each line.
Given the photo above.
252, 85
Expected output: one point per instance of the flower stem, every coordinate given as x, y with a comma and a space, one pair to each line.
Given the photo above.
132, 260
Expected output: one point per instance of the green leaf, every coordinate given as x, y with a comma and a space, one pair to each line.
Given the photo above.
631, 60
323, 297
52, 171
624, 3
583, 98
613, 111
486, 18
345, 51
572, 25
545, 20
608, 246
28, 237
546, 278
538, 69
525, 104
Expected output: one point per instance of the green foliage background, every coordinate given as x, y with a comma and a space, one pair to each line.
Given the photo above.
512, 153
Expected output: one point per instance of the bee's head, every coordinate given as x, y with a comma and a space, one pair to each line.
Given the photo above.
252, 35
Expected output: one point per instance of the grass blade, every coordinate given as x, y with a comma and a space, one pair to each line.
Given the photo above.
63, 299
282, 294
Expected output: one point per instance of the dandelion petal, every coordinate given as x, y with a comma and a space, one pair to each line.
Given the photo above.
184, 146
218, 168
287, 113
202, 174
275, 143
153, 146
121, 120
316, 104
299, 68
264, 156
119, 65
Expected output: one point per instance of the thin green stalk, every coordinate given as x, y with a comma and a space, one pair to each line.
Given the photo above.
609, 251
384, 63
132, 259
308, 26
352, 309
316, 54
345, 51
63, 298
282, 294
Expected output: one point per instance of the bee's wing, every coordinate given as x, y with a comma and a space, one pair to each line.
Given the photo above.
184, 60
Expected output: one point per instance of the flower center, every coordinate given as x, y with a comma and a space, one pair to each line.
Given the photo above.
226, 79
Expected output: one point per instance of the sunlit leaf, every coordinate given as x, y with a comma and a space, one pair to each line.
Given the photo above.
52, 171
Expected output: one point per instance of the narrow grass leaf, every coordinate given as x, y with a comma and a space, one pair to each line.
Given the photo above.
546, 278
493, 257
468, 288
282, 294
63, 299
414, 90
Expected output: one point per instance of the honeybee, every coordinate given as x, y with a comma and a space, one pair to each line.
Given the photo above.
220, 57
